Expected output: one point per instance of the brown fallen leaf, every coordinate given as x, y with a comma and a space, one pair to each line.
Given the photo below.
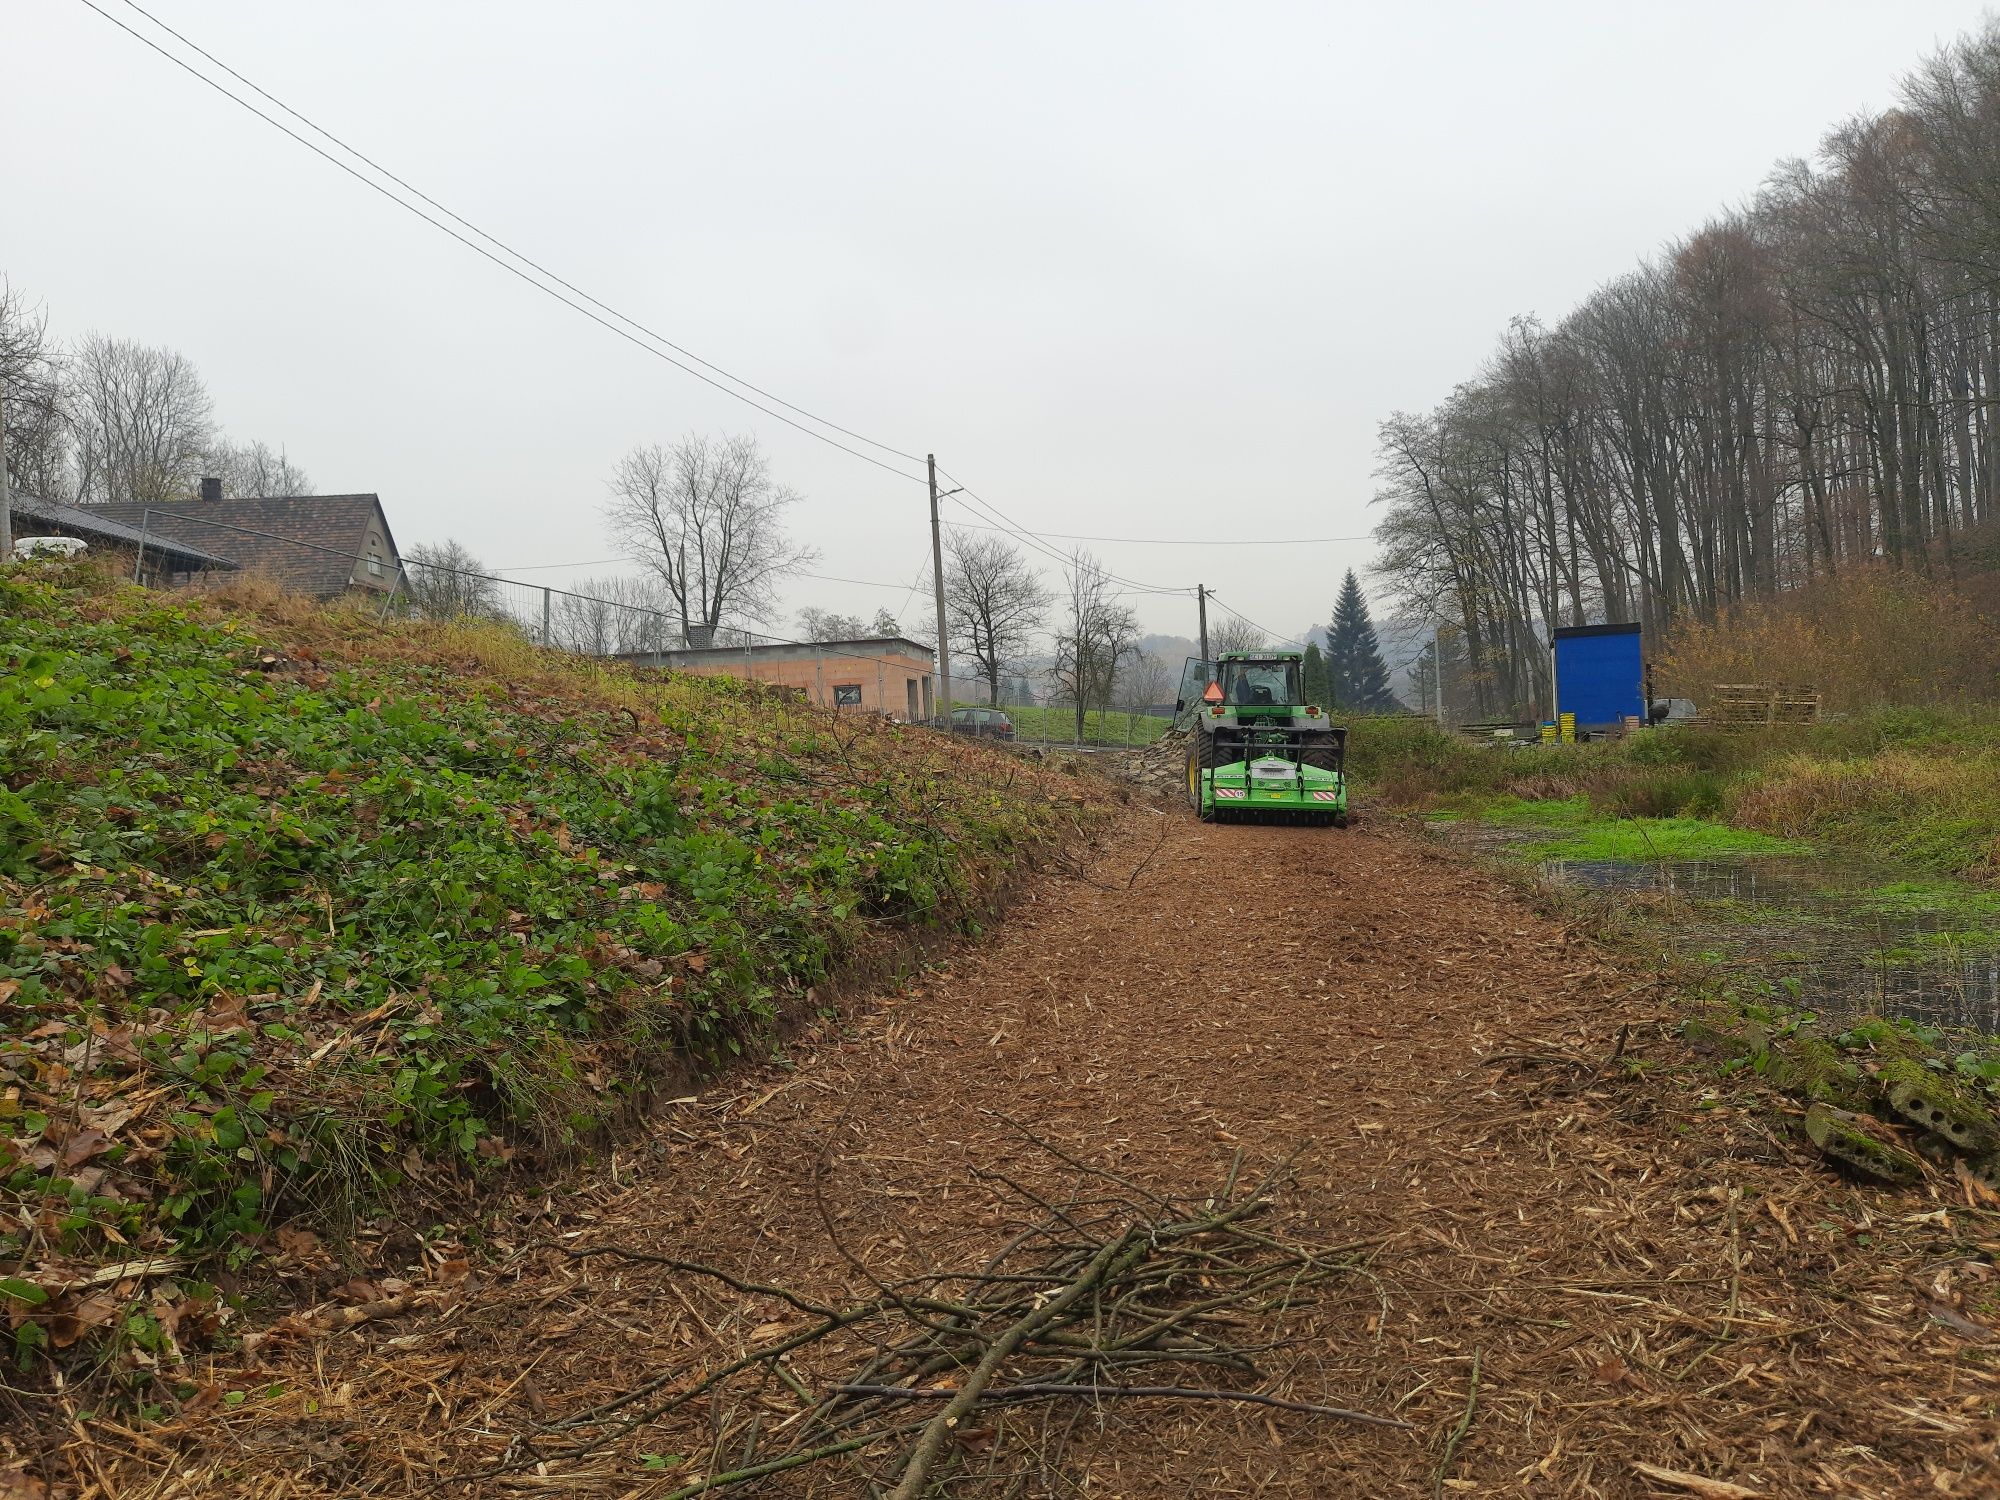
295, 1241
85, 1144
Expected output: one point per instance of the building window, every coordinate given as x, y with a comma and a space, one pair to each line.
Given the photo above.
375, 566
847, 695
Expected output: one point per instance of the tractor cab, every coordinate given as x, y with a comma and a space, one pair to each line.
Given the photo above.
1261, 683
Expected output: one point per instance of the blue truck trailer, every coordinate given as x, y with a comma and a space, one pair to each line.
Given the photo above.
1600, 676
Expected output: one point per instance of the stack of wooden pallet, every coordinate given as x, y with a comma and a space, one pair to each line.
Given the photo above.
1753, 705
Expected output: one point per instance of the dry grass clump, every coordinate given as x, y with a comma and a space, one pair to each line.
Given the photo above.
1865, 638
1936, 809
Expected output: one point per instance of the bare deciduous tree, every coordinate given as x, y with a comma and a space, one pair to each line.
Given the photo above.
706, 517
614, 616
1097, 633
31, 380
1234, 633
1801, 386
994, 602
142, 421
824, 625
446, 582
255, 468
1145, 680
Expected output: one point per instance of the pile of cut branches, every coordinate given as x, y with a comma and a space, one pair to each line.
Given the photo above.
1095, 1302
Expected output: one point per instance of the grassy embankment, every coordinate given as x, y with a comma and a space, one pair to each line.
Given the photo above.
296, 908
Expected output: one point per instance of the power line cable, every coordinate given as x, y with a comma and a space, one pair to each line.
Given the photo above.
1185, 541
1270, 634
511, 270
1008, 525
1033, 540
361, 156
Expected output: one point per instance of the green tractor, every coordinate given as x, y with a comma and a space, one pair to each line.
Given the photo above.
1257, 751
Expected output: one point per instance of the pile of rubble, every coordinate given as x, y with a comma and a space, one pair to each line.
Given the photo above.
1162, 765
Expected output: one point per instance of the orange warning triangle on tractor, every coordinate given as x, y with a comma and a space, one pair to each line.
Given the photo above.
1213, 693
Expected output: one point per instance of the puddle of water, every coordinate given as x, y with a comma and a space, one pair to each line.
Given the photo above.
1812, 922
1812, 925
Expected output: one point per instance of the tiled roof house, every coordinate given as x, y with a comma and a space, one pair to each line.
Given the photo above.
320, 545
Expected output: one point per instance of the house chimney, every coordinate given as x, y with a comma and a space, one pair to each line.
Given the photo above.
211, 488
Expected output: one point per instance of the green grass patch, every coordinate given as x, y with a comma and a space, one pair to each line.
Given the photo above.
1643, 839
1058, 726
1975, 908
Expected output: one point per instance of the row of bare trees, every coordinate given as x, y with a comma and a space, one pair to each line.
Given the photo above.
108, 419
1809, 382
704, 517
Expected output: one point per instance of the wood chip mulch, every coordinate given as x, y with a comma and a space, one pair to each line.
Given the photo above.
1571, 1260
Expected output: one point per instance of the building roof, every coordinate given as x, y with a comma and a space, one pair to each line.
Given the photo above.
96, 523
310, 543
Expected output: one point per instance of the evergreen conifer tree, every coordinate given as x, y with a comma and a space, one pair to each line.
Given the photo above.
1354, 656
1318, 684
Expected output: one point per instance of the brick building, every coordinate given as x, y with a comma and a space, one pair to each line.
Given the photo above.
889, 675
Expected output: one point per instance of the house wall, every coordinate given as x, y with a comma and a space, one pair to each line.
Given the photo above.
378, 566
887, 682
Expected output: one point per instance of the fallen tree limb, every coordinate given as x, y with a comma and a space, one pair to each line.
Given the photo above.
1044, 1391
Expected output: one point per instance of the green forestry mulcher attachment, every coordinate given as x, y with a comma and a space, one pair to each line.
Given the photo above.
1257, 752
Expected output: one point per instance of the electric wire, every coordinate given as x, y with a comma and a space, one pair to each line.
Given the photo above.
511, 270
358, 155
1186, 541
1005, 524
1269, 634
1033, 540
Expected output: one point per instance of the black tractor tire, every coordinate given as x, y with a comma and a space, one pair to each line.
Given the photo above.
1320, 757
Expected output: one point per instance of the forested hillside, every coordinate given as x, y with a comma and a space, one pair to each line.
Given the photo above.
1795, 387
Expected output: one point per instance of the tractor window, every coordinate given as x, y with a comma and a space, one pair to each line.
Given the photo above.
1252, 684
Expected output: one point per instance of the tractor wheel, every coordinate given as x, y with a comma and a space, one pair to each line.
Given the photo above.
1201, 757
1320, 757
1340, 820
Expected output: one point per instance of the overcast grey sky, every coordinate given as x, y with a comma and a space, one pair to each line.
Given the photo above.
1128, 269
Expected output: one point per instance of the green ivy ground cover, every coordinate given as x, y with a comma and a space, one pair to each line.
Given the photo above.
279, 918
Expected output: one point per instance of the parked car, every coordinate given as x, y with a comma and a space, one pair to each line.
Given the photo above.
987, 722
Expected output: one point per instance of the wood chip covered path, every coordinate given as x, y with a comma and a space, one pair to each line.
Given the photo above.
1566, 1275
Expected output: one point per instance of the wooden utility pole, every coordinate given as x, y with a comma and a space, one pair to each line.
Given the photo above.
6, 494
937, 579
1201, 600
